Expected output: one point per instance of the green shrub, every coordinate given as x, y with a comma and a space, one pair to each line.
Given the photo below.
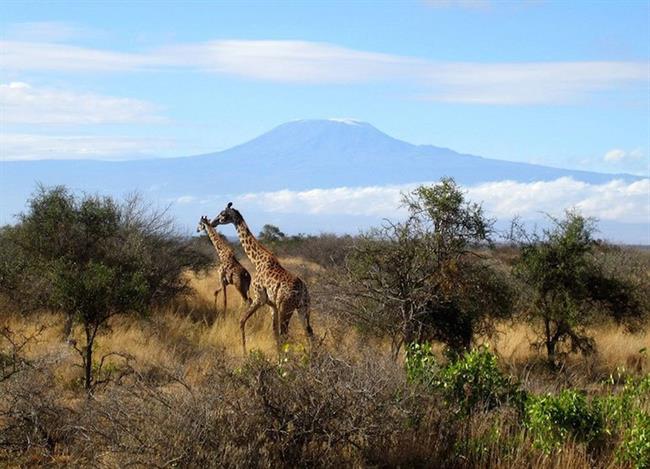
553, 419
421, 364
474, 380
625, 418
570, 288
92, 258
620, 408
471, 381
635, 448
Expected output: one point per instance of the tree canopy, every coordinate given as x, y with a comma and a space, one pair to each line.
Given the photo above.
91, 258
422, 279
570, 287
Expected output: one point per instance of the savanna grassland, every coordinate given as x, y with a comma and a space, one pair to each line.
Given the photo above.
179, 392
428, 351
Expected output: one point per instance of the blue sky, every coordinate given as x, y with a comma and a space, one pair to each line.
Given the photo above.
557, 83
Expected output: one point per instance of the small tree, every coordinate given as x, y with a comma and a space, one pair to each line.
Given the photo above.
92, 258
568, 288
271, 234
422, 278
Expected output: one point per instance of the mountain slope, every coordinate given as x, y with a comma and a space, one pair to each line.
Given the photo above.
330, 153
297, 155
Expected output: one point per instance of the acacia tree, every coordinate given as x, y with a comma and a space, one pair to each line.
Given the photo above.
271, 234
92, 258
569, 288
422, 278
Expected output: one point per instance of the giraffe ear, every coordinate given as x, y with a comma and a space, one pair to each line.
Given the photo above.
229, 205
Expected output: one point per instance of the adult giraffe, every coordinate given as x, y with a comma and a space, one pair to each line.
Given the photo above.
272, 285
230, 271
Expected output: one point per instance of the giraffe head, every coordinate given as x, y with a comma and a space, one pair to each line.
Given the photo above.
203, 224
228, 215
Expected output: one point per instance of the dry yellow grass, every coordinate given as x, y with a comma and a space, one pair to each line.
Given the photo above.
176, 342
616, 348
160, 339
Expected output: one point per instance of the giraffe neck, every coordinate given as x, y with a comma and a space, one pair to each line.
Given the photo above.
224, 251
255, 251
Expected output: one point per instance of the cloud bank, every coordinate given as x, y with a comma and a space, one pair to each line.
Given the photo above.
316, 63
22, 103
614, 201
46, 31
616, 155
25, 147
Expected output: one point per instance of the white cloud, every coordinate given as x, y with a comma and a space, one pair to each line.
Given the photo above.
26, 55
24, 104
38, 147
481, 5
291, 61
528, 83
374, 200
615, 200
465, 4
185, 199
323, 63
616, 155
46, 31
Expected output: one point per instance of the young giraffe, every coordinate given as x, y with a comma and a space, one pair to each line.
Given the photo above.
230, 271
272, 285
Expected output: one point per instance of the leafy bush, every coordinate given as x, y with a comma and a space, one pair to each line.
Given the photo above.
471, 381
626, 418
620, 408
92, 258
60, 231
475, 380
421, 364
635, 448
570, 288
553, 419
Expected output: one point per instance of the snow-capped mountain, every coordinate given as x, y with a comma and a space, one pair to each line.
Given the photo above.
295, 156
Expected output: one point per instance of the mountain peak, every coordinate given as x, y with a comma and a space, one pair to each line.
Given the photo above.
308, 140
334, 135
330, 122
348, 121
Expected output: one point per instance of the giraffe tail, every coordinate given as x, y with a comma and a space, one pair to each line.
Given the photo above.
246, 284
303, 311
303, 314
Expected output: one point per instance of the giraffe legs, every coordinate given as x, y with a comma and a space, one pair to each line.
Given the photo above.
242, 323
259, 299
276, 328
222, 288
284, 324
216, 297
300, 304
225, 301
